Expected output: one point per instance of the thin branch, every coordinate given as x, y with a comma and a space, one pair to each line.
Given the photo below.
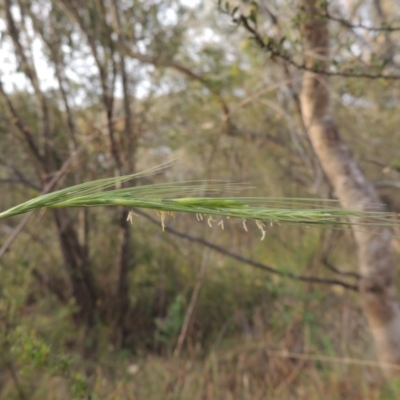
248, 261
347, 24
387, 184
50, 285
339, 271
56, 56
328, 245
159, 62
129, 131
21, 126
20, 181
18, 177
272, 49
107, 92
58, 175
30, 71
378, 163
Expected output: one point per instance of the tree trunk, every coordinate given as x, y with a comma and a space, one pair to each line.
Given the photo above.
83, 284
375, 256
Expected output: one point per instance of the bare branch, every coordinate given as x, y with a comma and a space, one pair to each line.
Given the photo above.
130, 136
50, 185
107, 88
50, 285
336, 270
248, 261
277, 53
56, 56
29, 70
21, 126
348, 24
159, 62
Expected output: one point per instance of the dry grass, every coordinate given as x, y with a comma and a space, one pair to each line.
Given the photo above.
300, 360
248, 372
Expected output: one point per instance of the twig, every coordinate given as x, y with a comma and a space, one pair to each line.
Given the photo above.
20, 181
348, 24
276, 53
57, 176
339, 271
50, 286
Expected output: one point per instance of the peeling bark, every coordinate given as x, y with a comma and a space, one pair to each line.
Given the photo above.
375, 255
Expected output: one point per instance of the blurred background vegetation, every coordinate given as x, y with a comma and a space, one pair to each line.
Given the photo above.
91, 307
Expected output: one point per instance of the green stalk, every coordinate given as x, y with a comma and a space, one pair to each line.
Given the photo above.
179, 198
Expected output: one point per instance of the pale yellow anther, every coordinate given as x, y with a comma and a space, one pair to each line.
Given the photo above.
130, 216
244, 225
221, 224
163, 214
209, 220
261, 227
